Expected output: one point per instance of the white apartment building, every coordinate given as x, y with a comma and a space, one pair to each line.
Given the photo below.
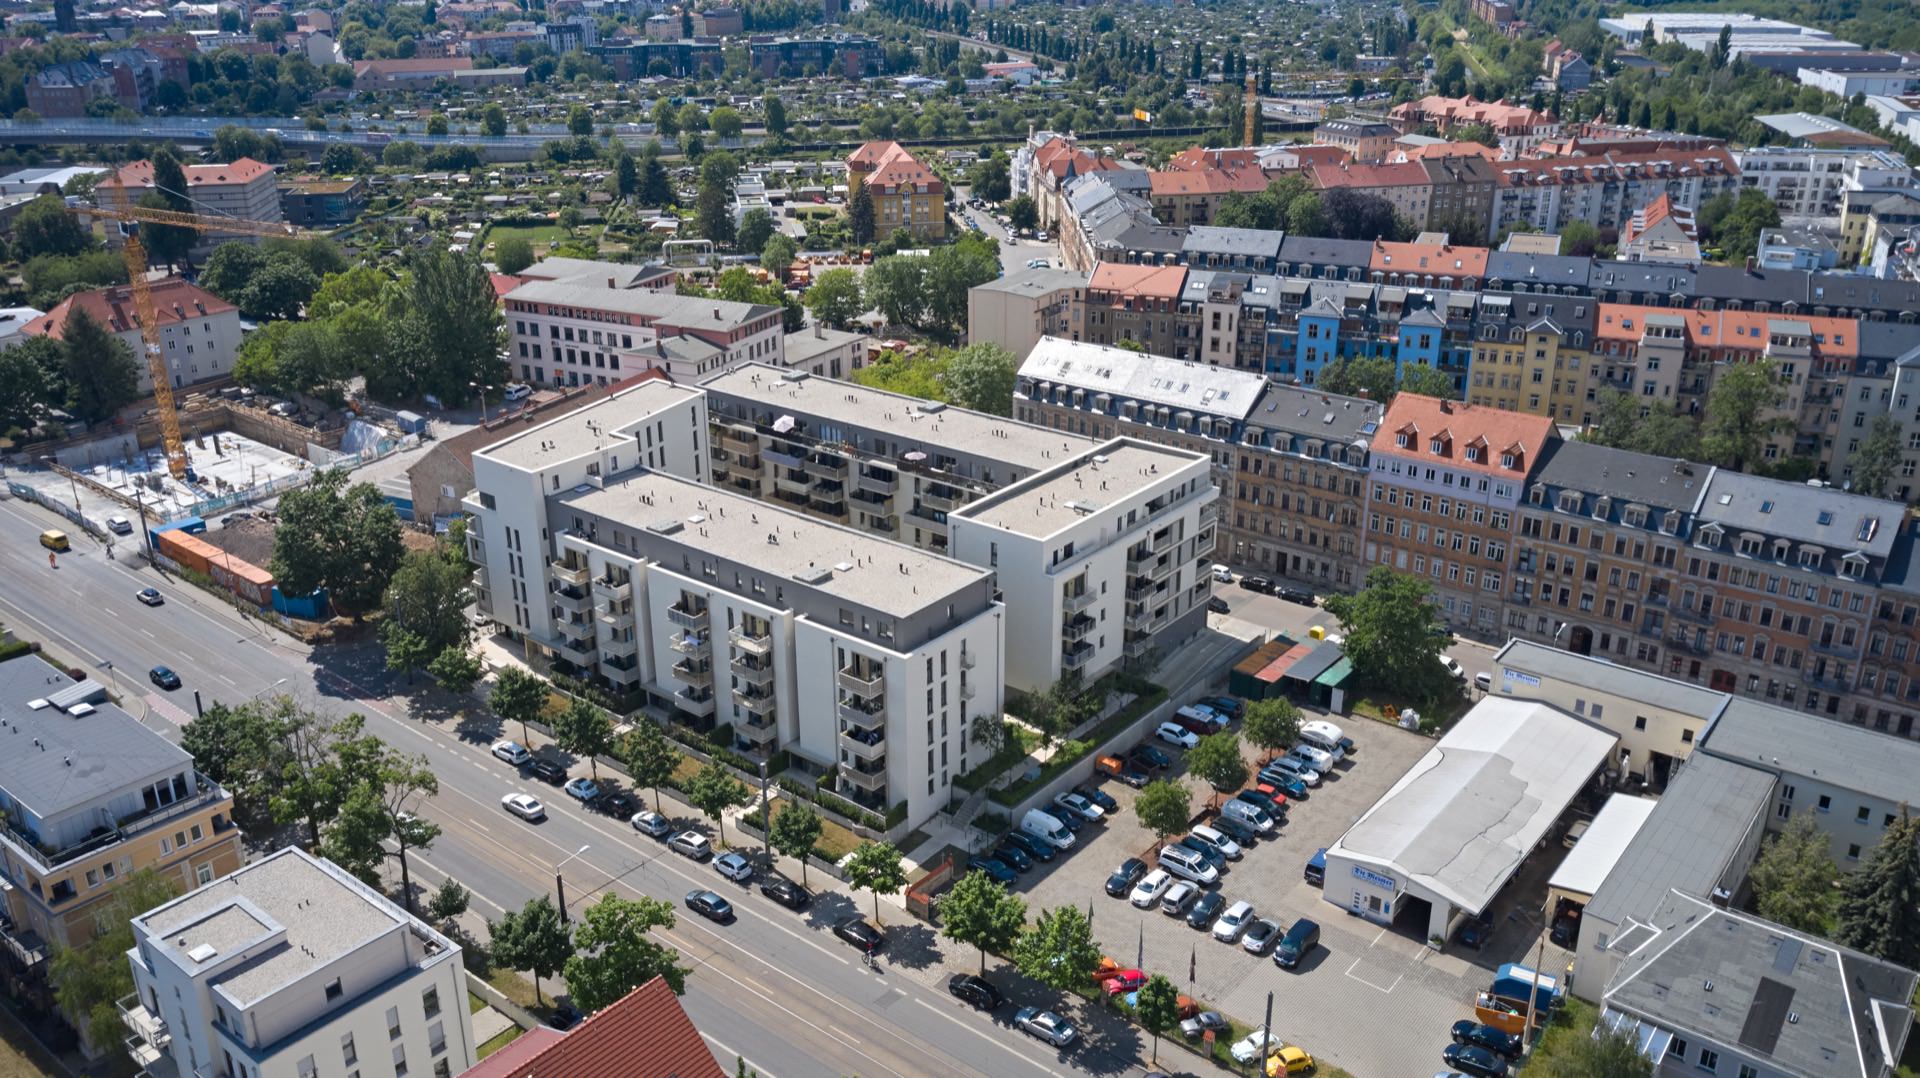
578, 331
1101, 557
1807, 182
654, 424
200, 333
291, 968
848, 652
245, 189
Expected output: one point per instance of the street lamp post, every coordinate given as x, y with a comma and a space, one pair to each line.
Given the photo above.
560, 885
483, 400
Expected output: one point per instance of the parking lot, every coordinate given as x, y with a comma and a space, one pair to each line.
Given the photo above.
1331, 1003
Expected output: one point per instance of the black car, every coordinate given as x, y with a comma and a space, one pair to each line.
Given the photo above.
546, 771
1217, 605
857, 931
1147, 758
1099, 797
1468, 1031
1475, 931
786, 892
974, 991
618, 803
1295, 595
1072, 821
1236, 829
1204, 911
1259, 800
1032, 847
1257, 583
164, 677
563, 1017
1475, 1060
1566, 928
1125, 877
709, 905
1013, 857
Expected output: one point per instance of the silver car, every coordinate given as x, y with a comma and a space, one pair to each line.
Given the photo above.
1046, 1026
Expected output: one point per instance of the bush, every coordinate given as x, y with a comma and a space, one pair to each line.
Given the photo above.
1072, 752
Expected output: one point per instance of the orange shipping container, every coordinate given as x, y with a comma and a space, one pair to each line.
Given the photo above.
187, 551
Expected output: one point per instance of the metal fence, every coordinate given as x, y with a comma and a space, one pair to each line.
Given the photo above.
21, 490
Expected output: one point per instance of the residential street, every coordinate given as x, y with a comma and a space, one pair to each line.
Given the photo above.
775, 986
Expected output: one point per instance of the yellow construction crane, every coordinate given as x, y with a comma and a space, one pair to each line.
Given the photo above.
135, 254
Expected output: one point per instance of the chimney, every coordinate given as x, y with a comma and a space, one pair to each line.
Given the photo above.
1749, 265
609, 282
716, 314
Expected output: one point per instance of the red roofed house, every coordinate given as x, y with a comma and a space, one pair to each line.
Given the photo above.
1433, 459
905, 192
1042, 172
199, 331
1428, 265
1191, 196
1519, 128
1661, 232
244, 189
1129, 302
414, 74
644, 1035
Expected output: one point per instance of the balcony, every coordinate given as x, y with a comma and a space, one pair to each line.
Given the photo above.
687, 617
867, 685
870, 776
861, 713
24, 944
1077, 601
612, 619
740, 439
755, 701
620, 645
575, 651
751, 642
945, 503
968, 690
622, 670
760, 733
1161, 541
695, 668
1138, 647
873, 503
691, 642
1076, 655
618, 591
1696, 615
752, 670
695, 701
881, 486
1837, 649
792, 483
1077, 628
575, 576
147, 1037
828, 468
782, 458
968, 660
573, 600
865, 744
575, 630
479, 579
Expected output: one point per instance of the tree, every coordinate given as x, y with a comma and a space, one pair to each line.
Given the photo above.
1355, 376
949, 274
626, 174
230, 267
1880, 902
1216, 758
45, 227
656, 188
1022, 213
278, 290
981, 377
342, 538
1579, 238
860, 220
535, 939
1163, 807
1875, 462
493, 120
437, 124
1272, 724
234, 747
726, 122
1737, 422
713, 790
896, 286
651, 759
579, 120
1733, 222
456, 669
615, 951
450, 332
777, 255
1158, 1007
27, 389
979, 912
407, 650
835, 297
89, 979
380, 808
1427, 382
584, 730
101, 376
794, 830
309, 769
1354, 216
713, 214
990, 177
167, 244
1393, 634
1793, 878
512, 254
776, 115
875, 867
1566, 1052
755, 229
691, 119
449, 901
428, 594
1059, 950
520, 697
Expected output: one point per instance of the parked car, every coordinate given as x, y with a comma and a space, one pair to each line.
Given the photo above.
1483, 681
1453, 667
1122, 768
1148, 758
652, 824
1294, 595
1150, 888
1260, 936
1229, 706
546, 771
1098, 796
1297, 944
583, 790
1273, 803
1257, 583
1233, 922
1205, 849
734, 867
1316, 870
857, 931
1196, 1027
1253, 1046
1506, 1045
992, 866
1124, 981
1250, 814
512, 752
1288, 1059
1474, 1060
1296, 768
164, 677
617, 803
709, 905
1027, 844
786, 892
1239, 831
691, 844
1225, 846
1176, 735
974, 991
1014, 857
1284, 780
149, 596
1129, 873
1200, 719
525, 806
1075, 804
1046, 1026
1475, 931
1217, 605
1179, 898
1189, 865
1205, 910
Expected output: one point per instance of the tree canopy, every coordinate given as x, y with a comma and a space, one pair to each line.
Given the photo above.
616, 952
343, 538
978, 912
1394, 634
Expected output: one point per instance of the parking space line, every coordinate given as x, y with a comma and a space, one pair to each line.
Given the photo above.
1388, 990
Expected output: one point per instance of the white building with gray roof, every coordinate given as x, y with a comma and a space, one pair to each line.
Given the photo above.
291, 968
596, 331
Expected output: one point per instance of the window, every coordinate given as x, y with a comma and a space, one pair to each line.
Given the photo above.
399, 1061
1862, 815
1747, 1071
1853, 852
333, 989
1709, 1059
1826, 803
348, 1053
1677, 1048
306, 1068
204, 874
430, 1001
393, 1023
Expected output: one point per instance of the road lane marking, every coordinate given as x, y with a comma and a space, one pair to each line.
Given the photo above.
751, 1065
1016, 1047
843, 1035
1388, 990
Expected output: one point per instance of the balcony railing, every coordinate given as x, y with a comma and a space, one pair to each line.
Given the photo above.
1077, 628
574, 630
619, 672
695, 701
616, 590
781, 457
751, 671
753, 643
968, 691
873, 776
616, 619
690, 642
828, 468
620, 645
759, 732
968, 660
1075, 602
945, 503
865, 685
687, 617
147, 1037
575, 576
883, 486
739, 439
572, 600
870, 716
757, 703
1076, 655
693, 668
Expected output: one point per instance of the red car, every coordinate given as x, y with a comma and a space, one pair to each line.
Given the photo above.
1274, 793
1127, 980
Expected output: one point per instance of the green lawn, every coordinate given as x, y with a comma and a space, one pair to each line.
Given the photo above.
538, 235
475, 1004
500, 1040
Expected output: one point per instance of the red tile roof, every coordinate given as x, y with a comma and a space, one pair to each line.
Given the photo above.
1650, 216
1213, 181
1153, 282
174, 300
1446, 112
140, 174
1495, 431
644, 1035
889, 165
1448, 259
1738, 331
1405, 174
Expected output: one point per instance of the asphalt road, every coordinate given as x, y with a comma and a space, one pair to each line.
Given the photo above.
775, 986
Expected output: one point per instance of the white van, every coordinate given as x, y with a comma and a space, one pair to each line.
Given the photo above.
1047, 829
1223, 574
1188, 865
119, 525
1315, 758
1324, 736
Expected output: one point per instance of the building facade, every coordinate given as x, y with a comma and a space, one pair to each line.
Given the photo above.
577, 331
200, 333
905, 191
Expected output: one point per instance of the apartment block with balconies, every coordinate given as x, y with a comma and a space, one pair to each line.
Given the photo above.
91, 797
291, 968
1101, 558
869, 659
560, 609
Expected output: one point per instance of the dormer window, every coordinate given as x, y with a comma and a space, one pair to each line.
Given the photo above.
1670, 523
1809, 559
1752, 545
1538, 495
1473, 454
1780, 548
1509, 461
1569, 501
1437, 446
1401, 439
